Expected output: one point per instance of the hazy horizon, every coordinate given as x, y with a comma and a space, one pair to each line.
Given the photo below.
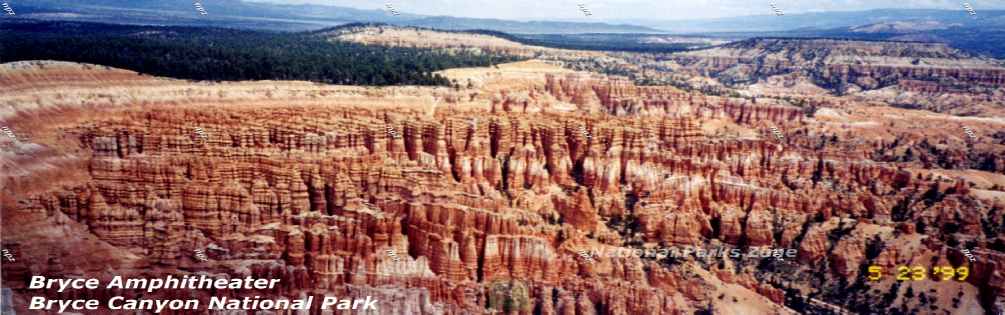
612, 10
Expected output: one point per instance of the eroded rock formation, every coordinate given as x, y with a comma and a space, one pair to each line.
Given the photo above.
315, 185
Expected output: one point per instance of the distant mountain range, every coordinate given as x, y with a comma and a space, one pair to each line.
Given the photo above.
254, 15
826, 20
982, 33
258, 15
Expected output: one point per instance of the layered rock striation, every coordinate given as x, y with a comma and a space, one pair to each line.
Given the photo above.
474, 191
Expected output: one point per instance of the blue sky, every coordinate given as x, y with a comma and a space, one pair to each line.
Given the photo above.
638, 9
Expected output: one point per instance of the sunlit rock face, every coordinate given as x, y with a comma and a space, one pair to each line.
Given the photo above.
506, 181
915, 75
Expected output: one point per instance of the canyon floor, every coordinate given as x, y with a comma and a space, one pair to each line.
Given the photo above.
483, 198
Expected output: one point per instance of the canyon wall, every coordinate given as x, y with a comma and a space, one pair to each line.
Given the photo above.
315, 185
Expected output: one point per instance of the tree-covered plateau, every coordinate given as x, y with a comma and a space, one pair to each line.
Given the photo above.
217, 54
